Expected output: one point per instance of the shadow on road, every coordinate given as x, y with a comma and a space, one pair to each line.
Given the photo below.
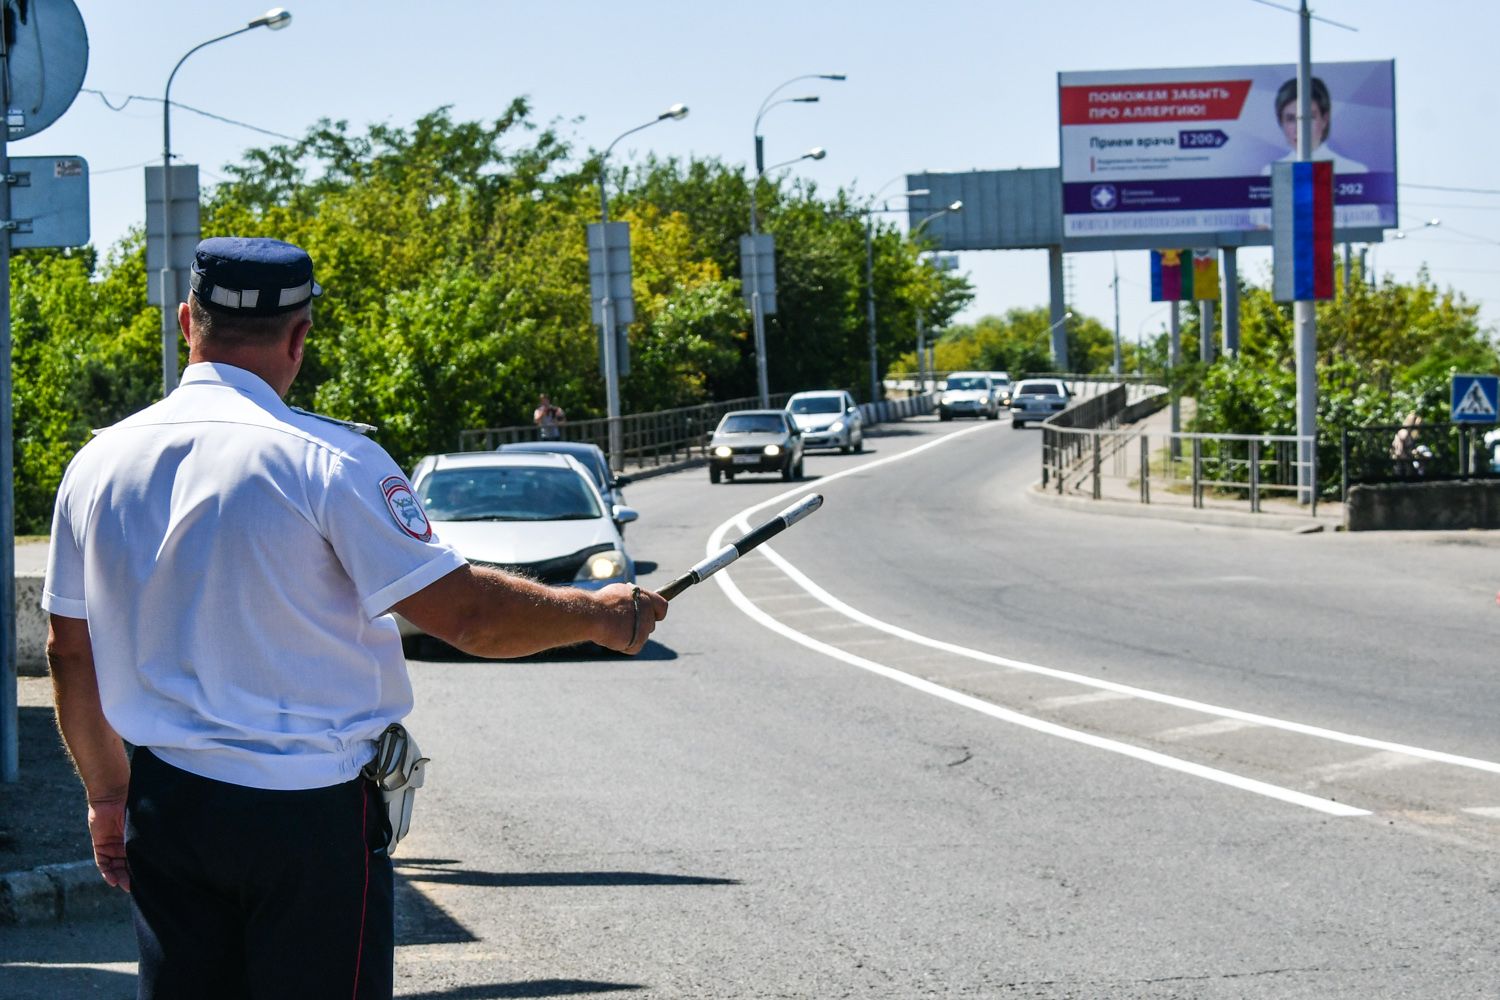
420, 870
430, 650
529, 988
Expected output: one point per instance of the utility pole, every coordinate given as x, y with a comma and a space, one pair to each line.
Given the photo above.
1119, 358
1305, 312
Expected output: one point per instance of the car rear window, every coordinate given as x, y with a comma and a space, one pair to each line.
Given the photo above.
1039, 389
507, 493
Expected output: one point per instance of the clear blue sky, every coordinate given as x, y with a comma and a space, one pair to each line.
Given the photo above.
969, 84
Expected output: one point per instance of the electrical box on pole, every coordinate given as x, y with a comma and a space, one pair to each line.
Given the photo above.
758, 270
186, 230
609, 277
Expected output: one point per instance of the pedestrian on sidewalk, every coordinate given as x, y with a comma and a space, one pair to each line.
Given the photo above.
549, 418
219, 581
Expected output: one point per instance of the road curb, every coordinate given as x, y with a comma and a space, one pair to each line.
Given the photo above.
1184, 515
57, 893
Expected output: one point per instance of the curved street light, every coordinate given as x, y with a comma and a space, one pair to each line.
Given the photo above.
870, 214
955, 206
676, 112
767, 104
275, 19
757, 310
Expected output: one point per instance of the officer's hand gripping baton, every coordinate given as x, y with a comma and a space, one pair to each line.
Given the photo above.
742, 545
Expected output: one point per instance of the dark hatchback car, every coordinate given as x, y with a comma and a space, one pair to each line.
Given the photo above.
755, 441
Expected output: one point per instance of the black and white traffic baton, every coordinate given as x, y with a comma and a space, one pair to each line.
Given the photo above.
742, 545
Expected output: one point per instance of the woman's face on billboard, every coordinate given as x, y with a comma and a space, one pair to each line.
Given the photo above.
1289, 124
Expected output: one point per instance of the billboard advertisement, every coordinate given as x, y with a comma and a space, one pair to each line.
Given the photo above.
1179, 152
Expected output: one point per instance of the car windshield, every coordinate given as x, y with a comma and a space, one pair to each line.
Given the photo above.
817, 404
507, 493
966, 383
1039, 389
752, 423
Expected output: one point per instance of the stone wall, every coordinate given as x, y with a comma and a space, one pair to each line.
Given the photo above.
1423, 506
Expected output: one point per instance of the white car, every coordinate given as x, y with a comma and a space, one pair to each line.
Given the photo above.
535, 514
1003, 386
968, 394
1036, 399
828, 418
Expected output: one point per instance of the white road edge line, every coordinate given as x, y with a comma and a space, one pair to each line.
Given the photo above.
1437, 756
732, 591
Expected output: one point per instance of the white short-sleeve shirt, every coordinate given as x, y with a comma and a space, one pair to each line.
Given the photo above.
235, 561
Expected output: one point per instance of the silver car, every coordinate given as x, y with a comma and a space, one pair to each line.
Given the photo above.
1036, 399
828, 418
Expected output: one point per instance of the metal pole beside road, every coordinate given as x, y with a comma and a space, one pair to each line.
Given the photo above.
10, 762
1305, 312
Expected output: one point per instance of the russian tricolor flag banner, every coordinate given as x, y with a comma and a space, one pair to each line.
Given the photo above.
1302, 230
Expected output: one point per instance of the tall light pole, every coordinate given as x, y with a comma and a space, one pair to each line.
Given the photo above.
916, 231
870, 214
676, 112
276, 18
757, 308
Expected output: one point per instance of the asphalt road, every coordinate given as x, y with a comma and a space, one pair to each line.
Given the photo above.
945, 741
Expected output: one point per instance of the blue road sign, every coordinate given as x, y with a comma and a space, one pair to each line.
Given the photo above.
1476, 399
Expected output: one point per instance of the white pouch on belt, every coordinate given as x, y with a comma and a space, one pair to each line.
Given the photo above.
398, 770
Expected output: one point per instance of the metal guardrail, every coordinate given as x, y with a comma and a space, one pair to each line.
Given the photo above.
1403, 453
1085, 449
666, 437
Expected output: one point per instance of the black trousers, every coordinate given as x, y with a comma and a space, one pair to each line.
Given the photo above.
248, 893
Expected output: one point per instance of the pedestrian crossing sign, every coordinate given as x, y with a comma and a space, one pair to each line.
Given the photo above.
1476, 399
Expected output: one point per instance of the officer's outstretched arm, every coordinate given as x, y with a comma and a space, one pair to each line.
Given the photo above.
487, 612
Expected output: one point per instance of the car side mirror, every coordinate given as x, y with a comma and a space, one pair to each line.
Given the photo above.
625, 515
620, 482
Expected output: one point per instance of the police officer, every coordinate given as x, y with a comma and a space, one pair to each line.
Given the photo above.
219, 578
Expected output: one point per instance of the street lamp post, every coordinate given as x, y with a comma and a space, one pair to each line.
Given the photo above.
916, 231
276, 18
757, 309
676, 112
870, 214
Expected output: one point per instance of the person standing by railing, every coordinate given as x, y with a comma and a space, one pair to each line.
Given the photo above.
549, 418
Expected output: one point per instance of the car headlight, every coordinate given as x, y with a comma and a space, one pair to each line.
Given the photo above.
773, 450
602, 566
723, 451
836, 426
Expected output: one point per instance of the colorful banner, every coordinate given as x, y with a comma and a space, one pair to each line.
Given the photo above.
1183, 151
1184, 275
1205, 275
1169, 279
1302, 231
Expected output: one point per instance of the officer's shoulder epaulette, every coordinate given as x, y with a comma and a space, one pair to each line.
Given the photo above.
353, 425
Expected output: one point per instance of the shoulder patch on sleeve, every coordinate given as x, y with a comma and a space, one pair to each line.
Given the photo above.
405, 508
353, 425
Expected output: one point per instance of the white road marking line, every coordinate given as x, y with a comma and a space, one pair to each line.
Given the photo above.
1375, 763
1319, 732
1214, 728
1069, 700
127, 968
732, 591
1052, 729
1488, 812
